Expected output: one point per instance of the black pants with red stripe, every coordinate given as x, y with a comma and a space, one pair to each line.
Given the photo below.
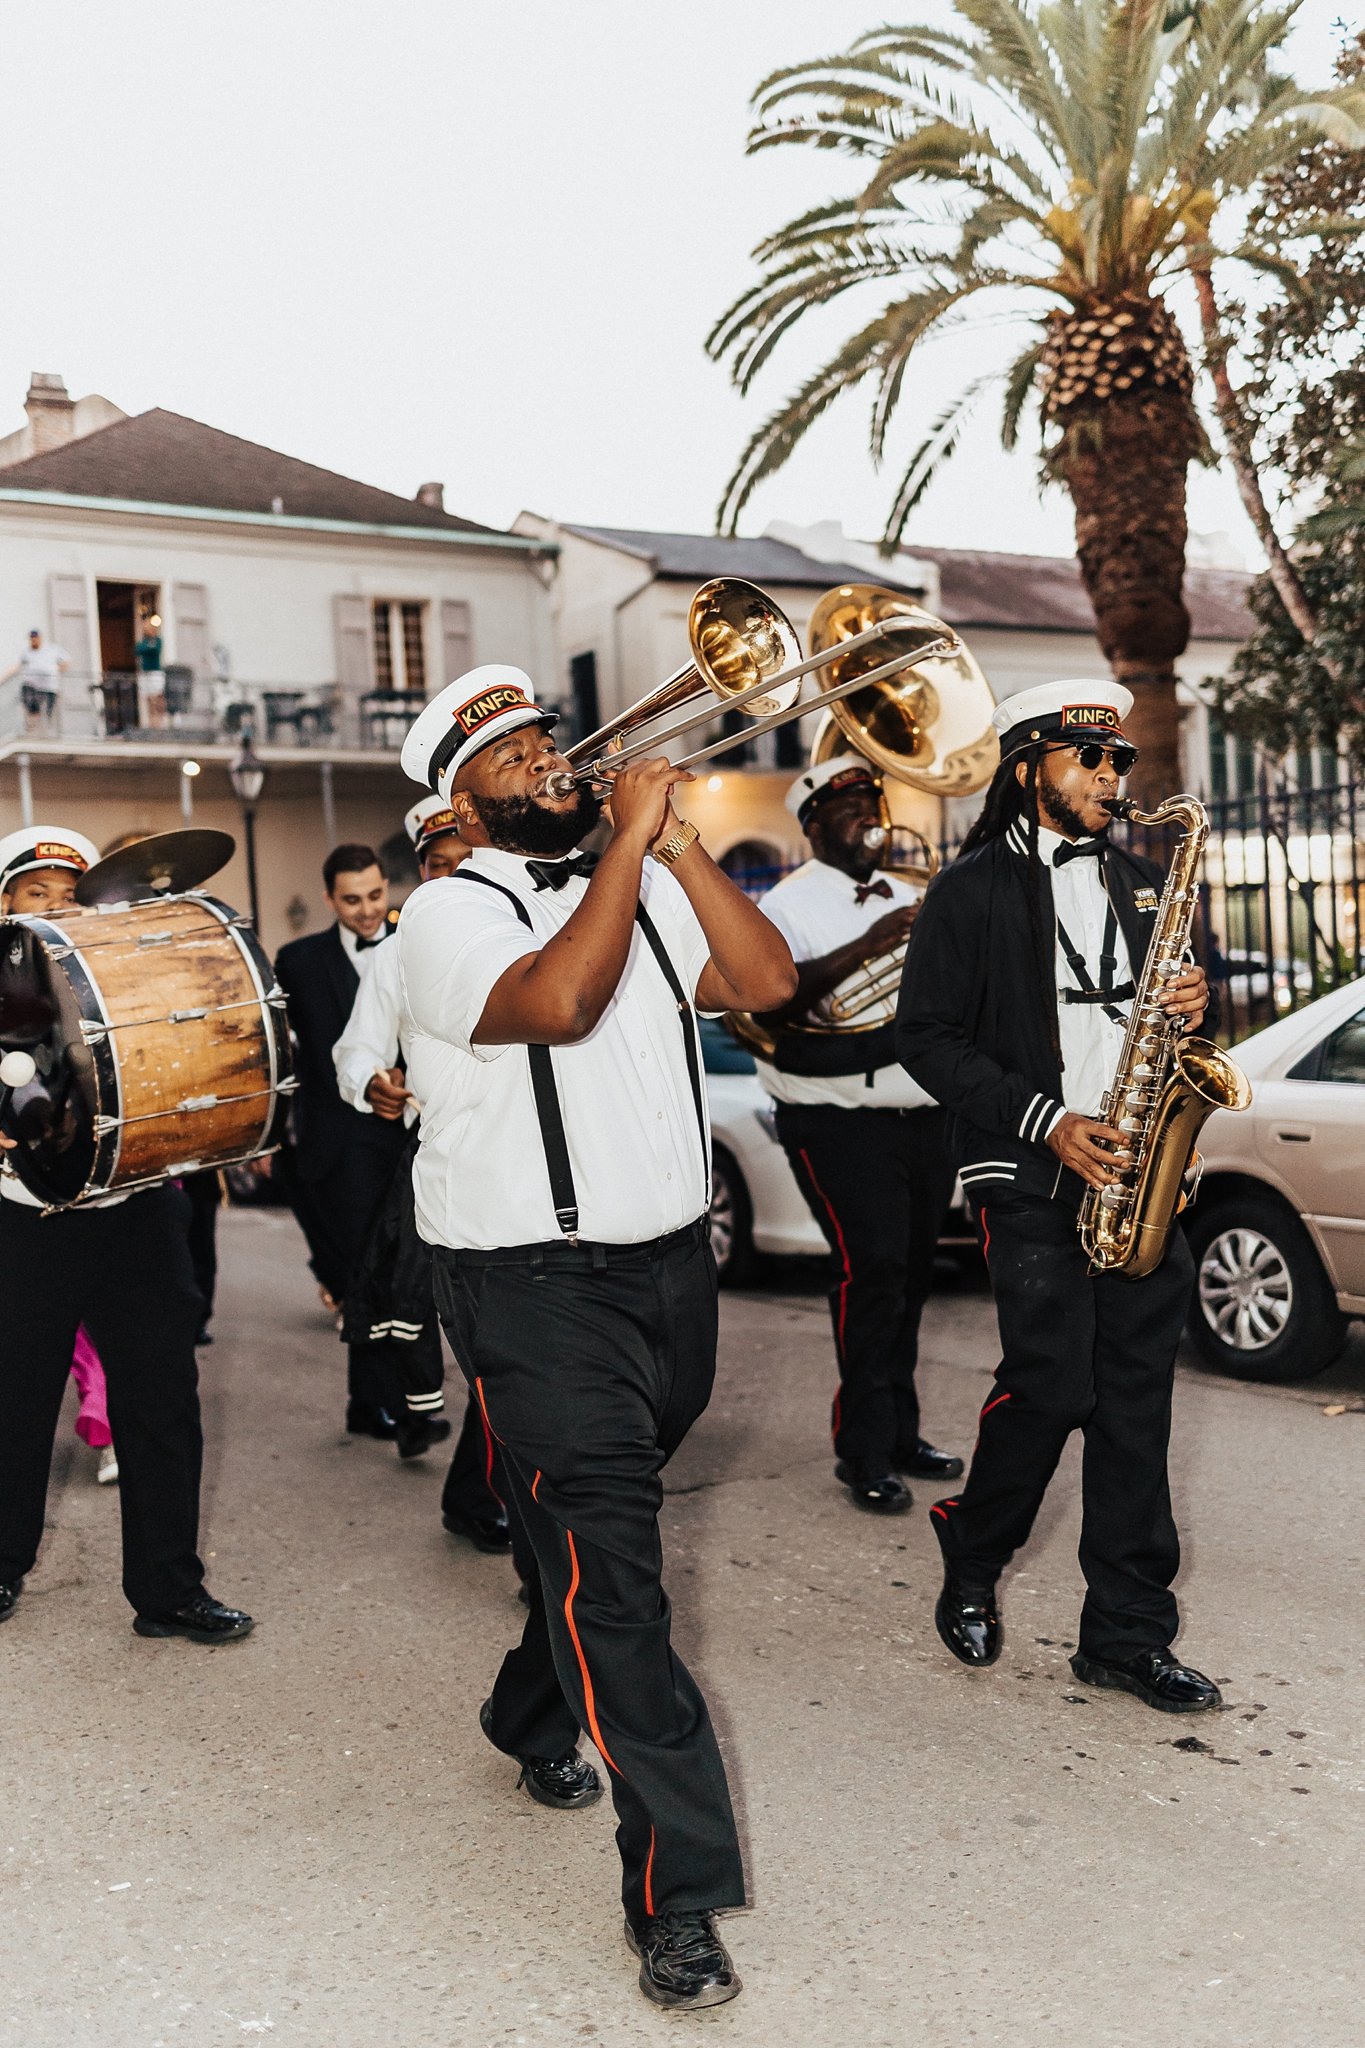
878, 1182
1087, 1351
475, 1484
592, 1363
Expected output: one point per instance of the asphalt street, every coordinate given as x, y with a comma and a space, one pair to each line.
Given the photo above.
304, 1839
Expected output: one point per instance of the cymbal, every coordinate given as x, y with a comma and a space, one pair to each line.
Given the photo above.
165, 864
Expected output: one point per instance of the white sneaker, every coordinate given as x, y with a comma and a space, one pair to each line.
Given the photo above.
107, 1474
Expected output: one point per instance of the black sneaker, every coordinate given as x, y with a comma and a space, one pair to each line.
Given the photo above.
9, 1598
561, 1781
684, 1964
417, 1433
201, 1620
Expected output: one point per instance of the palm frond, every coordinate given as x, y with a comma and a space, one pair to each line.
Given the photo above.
1020, 379
938, 445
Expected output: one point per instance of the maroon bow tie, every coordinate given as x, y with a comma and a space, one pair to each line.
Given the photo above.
862, 890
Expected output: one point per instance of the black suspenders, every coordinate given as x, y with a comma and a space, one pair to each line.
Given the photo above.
1085, 991
548, 1112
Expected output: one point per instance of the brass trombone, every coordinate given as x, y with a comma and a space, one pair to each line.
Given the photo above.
746, 657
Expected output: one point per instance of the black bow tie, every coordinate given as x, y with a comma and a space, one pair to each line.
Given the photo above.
553, 874
1077, 849
862, 890
377, 940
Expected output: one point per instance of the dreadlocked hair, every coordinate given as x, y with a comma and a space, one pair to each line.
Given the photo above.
1008, 799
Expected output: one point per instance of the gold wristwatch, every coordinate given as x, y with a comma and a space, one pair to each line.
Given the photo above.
671, 849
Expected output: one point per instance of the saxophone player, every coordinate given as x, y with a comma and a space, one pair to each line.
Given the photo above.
1012, 1013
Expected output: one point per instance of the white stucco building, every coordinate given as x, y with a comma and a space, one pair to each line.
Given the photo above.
198, 583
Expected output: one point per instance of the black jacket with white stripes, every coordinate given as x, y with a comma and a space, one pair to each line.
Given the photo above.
975, 1026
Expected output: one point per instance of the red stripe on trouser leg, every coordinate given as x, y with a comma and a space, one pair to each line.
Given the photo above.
488, 1435
649, 1878
844, 1285
982, 1417
937, 1510
589, 1699
535, 1485
985, 1237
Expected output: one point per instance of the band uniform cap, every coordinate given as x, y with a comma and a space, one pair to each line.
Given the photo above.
829, 778
429, 818
468, 715
1074, 709
45, 846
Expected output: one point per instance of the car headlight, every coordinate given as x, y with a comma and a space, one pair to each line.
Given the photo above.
768, 1119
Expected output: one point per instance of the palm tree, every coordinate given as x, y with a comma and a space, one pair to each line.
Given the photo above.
1058, 162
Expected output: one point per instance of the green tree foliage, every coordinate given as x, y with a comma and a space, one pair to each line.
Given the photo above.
1058, 163
1305, 397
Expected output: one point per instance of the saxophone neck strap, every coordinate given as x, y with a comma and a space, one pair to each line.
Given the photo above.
1106, 994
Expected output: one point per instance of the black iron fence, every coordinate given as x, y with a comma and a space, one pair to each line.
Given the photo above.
1281, 896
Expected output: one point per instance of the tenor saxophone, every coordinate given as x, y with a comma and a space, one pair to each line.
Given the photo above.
1167, 1084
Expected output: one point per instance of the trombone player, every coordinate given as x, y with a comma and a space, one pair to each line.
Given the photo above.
866, 1142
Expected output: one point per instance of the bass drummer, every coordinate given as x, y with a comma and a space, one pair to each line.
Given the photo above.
122, 1269
866, 1143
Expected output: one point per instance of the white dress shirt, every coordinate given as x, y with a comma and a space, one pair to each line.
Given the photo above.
1090, 1041
376, 1034
361, 958
480, 1177
817, 911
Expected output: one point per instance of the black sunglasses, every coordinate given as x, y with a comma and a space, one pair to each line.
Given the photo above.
1121, 757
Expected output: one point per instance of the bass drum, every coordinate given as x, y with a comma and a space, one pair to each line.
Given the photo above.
161, 1043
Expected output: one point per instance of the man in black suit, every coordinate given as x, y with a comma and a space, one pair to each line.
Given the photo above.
343, 1161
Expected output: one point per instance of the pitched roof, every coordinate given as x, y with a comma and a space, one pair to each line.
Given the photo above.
694, 557
1042, 593
163, 458
1045, 592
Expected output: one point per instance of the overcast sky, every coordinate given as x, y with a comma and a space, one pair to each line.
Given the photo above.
480, 243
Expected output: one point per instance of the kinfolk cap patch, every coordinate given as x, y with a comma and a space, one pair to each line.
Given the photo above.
56, 849
489, 704
1101, 715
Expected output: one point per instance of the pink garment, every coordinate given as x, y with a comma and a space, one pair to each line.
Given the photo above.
92, 1424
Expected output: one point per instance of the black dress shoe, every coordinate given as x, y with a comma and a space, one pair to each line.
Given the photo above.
563, 1781
201, 1620
1156, 1678
684, 1964
417, 1433
485, 1532
362, 1421
881, 1493
968, 1620
925, 1461
9, 1598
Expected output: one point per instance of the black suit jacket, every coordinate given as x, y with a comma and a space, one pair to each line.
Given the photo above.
320, 983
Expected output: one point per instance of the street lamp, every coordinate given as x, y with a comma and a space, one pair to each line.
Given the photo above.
248, 779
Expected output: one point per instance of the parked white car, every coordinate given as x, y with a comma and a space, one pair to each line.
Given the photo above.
1278, 1230
756, 1206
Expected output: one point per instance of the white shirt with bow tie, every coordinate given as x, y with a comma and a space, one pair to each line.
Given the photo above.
816, 909
1090, 1040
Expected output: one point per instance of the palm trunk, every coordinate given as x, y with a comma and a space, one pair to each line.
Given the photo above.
1125, 469
1237, 434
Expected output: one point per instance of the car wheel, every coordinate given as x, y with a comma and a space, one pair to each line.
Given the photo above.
732, 1220
1263, 1308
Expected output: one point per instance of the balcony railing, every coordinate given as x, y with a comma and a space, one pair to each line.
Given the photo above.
175, 708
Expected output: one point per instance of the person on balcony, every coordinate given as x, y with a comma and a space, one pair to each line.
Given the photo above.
38, 668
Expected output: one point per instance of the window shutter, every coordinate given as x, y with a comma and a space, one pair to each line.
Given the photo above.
355, 646
70, 605
457, 639
190, 611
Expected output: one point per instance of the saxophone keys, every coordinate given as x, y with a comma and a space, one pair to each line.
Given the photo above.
1131, 1125
1112, 1198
